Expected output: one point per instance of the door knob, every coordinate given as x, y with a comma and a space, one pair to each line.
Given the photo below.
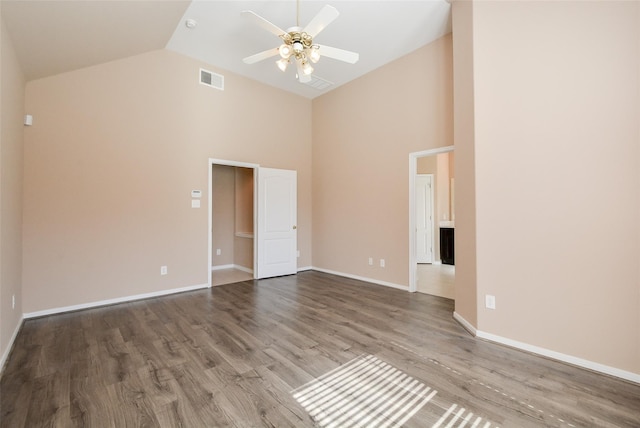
294, 227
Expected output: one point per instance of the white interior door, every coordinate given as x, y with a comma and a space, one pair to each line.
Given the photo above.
277, 219
424, 218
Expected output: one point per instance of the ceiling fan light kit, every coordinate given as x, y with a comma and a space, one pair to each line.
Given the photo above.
297, 44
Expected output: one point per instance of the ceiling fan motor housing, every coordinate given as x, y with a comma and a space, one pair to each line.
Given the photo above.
297, 43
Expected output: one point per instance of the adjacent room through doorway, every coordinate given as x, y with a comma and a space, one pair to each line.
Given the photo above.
432, 222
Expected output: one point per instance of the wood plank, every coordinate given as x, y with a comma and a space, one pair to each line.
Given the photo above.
234, 355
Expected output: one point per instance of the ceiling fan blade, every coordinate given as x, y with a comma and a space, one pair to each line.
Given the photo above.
339, 54
269, 26
261, 56
319, 22
302, 78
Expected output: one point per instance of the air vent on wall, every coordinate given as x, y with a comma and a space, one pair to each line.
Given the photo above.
211, 79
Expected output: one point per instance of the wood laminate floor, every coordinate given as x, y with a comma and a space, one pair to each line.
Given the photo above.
436, 279
229, 276
305, 350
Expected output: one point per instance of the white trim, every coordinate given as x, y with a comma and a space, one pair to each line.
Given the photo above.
225, 162
590, 365
7, 351
465, 324
256, 232
305, 268
362, 278
222, 267
212, 162
210, 222
243, 269
232, 266
113, 301
558, 356
413, 171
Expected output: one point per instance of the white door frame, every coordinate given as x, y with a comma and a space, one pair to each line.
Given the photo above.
253, 166
413, 171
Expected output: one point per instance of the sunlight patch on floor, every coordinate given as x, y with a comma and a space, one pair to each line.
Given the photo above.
459, 415
363, 392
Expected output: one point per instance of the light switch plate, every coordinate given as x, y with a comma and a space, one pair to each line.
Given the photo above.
490, 301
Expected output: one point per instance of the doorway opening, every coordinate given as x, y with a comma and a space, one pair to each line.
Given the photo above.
432, 222
232, 220
252, 222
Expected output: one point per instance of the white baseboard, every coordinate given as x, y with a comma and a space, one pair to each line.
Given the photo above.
222, 267
7, 351
305, 268
554, 355
112, 301
570, 359
362, 278
466, 324
243, 269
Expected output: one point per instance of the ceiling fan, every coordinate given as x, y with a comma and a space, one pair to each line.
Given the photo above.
298, 43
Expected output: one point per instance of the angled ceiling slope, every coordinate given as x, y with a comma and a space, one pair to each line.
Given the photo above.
56, 36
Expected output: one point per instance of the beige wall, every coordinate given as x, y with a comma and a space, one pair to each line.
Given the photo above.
452, 176
243, 248
427, 165
224, 212
465, 189
557, 149
111, 160
443, 178
363, 133
244, 201
11, 155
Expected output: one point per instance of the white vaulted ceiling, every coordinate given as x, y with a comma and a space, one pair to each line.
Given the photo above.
52, 36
